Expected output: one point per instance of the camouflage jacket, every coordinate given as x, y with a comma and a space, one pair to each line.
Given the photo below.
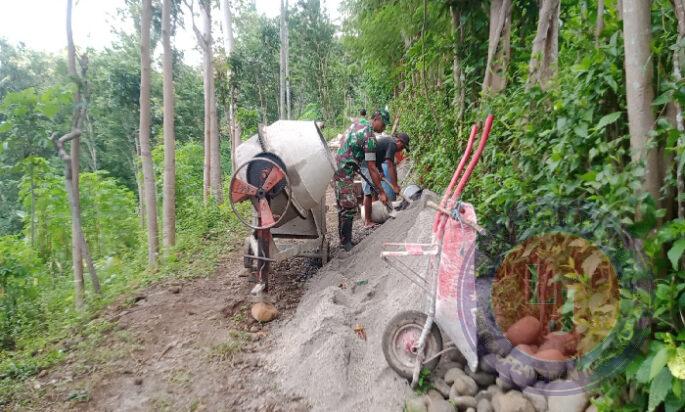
358, 145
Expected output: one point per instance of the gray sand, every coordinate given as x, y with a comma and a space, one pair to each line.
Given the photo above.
319, 356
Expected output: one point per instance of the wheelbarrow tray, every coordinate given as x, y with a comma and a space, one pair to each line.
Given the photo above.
456, 299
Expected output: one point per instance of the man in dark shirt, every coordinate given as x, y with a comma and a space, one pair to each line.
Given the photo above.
386, 149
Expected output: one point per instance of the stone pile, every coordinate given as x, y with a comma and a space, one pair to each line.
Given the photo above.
509, 378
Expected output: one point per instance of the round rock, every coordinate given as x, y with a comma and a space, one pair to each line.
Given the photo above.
487, 363
433, 394
483, 394
499, 346
264, 312
416, 404
503, 383
484, 405
512, 401
463, 386
440, 405
536, 398
452, 374
442, 387
463, 402
483, 379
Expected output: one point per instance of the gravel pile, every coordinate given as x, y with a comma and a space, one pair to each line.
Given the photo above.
330, 352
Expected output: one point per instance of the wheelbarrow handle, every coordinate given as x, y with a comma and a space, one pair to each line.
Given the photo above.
450, 214
474, 159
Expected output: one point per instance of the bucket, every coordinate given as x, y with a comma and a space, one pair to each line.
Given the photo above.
379, 212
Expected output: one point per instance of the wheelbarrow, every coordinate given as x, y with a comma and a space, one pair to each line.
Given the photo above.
413, 340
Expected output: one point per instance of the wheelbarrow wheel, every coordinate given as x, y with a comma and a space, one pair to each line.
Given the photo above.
401, 339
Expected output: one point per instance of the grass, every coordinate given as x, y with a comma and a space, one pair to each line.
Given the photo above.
239, 316
235, 344
64, 330
180, 377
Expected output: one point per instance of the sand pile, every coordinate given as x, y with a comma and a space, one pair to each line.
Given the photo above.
320, 357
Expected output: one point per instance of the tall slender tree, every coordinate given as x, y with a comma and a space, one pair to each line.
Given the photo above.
283, 62
79, 246
678, 61
287, 63
77, 252
499, 46
169, 189
457, 70
229, 45
543, 59
149, 190
599, 22
212, 171
639, 93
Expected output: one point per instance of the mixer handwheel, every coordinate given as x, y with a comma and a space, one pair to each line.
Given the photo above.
266, 178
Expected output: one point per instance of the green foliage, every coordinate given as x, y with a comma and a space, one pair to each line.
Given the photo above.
36, 292
18, 292
423, 384
26, 120
557, 159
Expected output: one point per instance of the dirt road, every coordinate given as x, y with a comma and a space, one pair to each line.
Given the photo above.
184, 346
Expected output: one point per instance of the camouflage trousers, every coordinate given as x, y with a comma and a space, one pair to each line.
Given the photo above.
344, 194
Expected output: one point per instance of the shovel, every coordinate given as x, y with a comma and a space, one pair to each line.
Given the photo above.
391, 211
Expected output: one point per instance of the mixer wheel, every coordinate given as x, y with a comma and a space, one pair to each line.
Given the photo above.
266, 178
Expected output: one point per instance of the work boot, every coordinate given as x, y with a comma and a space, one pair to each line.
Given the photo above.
346, 234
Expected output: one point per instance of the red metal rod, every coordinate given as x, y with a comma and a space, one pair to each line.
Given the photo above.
457, 172
474, 160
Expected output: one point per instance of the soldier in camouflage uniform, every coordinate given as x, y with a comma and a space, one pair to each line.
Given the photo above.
359, 145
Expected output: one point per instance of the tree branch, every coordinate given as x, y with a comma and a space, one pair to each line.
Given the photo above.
59, 143
200, 37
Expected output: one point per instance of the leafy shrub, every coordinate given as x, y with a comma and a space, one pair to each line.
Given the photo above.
18, 291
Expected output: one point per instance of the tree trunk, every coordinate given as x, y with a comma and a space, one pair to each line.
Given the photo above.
76, 252
639, 92
599, 23
229, 41
135, 157
169, 189
231, 117
499, 46
457, 73
543, 59
144, 132
207, 163
214, 143
679, 7
281, 72
287, 63
33, 206
619, 10
89, 261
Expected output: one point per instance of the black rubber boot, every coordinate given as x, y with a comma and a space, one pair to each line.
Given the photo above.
340, 225
346, 234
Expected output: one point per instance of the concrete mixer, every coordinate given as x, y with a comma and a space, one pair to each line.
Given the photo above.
283, 172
